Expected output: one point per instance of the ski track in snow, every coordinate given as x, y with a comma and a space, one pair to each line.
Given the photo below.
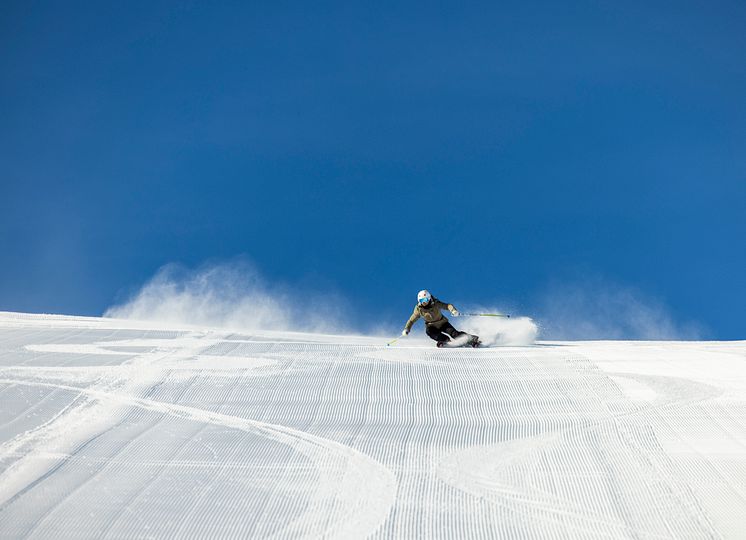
121, 429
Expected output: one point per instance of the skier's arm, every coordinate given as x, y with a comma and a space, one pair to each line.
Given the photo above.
449, 307
412, 319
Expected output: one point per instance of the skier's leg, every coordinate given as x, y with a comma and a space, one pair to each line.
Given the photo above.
435, 333
451, 331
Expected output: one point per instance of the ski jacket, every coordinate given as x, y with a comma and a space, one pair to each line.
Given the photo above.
432, 314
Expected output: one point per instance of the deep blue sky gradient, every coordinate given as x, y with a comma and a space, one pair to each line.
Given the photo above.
482, 150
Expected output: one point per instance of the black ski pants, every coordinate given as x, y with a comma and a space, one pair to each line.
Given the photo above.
438, 333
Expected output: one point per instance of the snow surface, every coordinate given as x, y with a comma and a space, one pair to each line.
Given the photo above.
121, 429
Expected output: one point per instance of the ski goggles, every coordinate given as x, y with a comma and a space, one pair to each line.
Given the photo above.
423, 301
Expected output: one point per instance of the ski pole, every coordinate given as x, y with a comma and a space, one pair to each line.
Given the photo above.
393, 341
487, 315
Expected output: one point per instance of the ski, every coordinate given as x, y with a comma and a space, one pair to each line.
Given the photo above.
472, 341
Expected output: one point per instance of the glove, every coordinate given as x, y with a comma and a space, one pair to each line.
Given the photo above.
404, 332
455, 312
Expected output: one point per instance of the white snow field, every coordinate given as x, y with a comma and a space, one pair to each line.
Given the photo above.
120, 429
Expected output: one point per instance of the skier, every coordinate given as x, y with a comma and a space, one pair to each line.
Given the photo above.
436, 325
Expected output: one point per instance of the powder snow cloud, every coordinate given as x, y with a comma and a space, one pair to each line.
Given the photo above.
233, 295
601, 309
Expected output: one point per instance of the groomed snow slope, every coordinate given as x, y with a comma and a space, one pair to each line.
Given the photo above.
117, 429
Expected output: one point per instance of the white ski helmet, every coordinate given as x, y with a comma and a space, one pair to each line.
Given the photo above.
424, 297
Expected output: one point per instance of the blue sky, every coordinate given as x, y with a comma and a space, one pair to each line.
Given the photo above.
495, 153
